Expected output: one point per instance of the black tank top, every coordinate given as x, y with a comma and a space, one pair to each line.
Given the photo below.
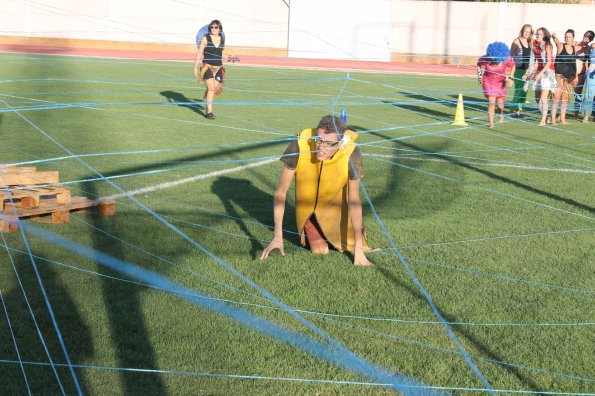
526, 56
212, 55
566, 63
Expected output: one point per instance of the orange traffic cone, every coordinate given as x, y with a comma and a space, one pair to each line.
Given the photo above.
460, 112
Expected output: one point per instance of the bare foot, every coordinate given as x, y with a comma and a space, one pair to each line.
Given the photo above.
554, 123
541, 123
564, 122
491, 126
500, 120
586, 120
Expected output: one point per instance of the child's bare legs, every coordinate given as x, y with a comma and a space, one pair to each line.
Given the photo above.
500, 110
491, 110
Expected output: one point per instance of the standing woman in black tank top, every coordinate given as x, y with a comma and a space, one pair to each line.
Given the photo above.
520, 51
212, 72
566, 76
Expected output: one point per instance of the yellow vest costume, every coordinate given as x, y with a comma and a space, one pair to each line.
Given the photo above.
321, 189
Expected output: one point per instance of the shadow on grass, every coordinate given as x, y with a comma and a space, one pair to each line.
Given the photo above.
421, 108
509, 181
495, 176
402, 189
128, 330
75, 333
181, 100
485, 351
243, 194
223, 153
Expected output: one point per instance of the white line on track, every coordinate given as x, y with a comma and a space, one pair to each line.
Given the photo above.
529, 167
187, 180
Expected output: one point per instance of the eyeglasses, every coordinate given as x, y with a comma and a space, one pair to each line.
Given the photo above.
328, 143
214, 27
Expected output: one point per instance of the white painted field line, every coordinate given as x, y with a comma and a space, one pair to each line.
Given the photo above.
203, 176
529, 167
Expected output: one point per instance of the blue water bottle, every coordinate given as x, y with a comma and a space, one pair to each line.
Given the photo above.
343, 115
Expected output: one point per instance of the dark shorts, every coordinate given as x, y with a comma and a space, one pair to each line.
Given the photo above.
218, 76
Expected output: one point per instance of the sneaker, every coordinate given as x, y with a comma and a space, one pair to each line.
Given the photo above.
210, 116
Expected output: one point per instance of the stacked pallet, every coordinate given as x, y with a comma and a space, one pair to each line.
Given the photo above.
27, 193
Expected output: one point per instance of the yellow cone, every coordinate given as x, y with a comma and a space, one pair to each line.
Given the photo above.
460, 112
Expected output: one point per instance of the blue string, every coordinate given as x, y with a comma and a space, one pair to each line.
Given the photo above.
428, 346
443, 133
292, 379
346, 360
155, 151
49, 307
14, 341
31, 310
504, 277
545, 233
316, 313
421, 288
362, 365
483, 188
167, 261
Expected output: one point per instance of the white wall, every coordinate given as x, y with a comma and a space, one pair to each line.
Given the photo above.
466, 28
339, 29
260, 23
348, 29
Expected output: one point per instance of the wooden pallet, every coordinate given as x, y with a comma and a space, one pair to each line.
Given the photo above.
49, 211
25, 176
26, 193
29, 197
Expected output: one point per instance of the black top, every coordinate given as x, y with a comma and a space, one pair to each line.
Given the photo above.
212, 55
526, 56
566, 63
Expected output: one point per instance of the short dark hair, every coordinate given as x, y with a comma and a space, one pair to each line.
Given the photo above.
570, 31
590, 34
332, 123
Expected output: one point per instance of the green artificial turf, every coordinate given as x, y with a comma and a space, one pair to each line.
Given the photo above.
497, 225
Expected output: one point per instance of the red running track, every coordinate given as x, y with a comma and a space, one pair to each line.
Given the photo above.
265, 61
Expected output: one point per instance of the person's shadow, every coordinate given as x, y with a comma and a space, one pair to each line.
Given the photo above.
257, 203
128, 324
181, 100
75, 332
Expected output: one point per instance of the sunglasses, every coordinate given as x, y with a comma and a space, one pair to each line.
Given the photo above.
214, 27
329, 143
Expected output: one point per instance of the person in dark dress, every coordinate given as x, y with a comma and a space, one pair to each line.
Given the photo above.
566, 75
211, 71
